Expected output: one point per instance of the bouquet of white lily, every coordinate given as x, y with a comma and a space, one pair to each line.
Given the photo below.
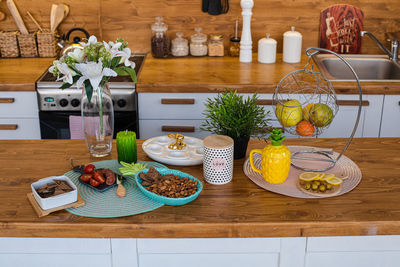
90, 67
93, 65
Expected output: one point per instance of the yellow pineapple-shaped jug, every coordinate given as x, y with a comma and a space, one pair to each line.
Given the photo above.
275, 159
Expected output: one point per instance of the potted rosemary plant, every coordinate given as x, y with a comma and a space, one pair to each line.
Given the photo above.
231, 114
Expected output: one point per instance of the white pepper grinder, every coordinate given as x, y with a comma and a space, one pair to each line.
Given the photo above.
267, 50
246, 43
292, 46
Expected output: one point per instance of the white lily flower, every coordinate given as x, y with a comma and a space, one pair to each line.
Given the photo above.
68, 73
111, 47
77, 55
93, 72
125, 54
54, 66
92, 40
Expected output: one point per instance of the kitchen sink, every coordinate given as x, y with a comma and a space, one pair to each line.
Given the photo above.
369, 68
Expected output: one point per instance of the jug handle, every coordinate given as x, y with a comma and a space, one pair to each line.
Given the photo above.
251, 159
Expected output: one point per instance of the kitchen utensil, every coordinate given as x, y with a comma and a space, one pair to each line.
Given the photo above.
17, 17
53, 17
34, 21
344, 167
168, 200
66, 11
246, 42
2, 15
67, 46
121, 191
340, 29
292, 46
157, 149
107, 204
59, 16
215, 7
307, 96
218, 159
267, 50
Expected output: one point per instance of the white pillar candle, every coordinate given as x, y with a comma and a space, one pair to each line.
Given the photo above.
292, 46
267, 50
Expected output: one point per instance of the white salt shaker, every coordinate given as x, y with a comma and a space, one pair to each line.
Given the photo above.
292, 46
267, 50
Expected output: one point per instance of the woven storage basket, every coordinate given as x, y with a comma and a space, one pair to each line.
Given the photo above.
47, 44
27, 45
9, 44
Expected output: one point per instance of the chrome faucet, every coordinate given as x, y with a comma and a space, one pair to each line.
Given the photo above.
393, 54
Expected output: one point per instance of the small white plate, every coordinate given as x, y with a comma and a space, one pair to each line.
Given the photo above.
157, 149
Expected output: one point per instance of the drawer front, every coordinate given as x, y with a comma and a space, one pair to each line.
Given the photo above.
353, 259
16, 128
391, 117
343, 123
184, 106
152, 128
18, 105
209, 260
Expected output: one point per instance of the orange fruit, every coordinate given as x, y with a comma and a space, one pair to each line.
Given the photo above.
305, 128
306, 111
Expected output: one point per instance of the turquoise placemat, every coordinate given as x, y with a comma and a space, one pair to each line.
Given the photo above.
107, 204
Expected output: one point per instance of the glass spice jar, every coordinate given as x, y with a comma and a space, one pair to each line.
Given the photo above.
234, 47
180, 46
198, 43
216, 45
160, 43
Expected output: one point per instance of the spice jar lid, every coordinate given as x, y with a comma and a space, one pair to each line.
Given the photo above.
292, 32
179, 40
198, 36
235, 39
159, 25
216, 37
218, 141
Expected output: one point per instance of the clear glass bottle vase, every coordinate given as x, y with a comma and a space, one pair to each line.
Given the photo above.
98, 121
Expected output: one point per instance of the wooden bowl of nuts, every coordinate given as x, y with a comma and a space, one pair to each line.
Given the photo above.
167, 186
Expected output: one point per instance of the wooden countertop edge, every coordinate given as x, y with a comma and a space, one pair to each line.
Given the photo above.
24, 86
199, 230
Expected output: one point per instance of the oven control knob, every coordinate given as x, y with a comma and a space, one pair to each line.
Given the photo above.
121, 103
63, 102
75, 102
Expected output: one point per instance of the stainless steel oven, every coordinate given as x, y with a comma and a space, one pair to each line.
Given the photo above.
57, 105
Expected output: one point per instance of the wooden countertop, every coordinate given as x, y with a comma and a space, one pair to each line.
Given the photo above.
237, 209
214, 74
188, 75
21, 74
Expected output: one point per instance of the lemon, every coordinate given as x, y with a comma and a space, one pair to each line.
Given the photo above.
290, 113
309, 176
335, 181
327, 176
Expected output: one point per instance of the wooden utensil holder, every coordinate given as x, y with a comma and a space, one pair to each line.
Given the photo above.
9, 44
47, 43
27, 45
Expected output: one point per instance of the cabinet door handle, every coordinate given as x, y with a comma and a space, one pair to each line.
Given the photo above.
177, 101
7, 100
185, 129
8, 126
365, 103
265, 102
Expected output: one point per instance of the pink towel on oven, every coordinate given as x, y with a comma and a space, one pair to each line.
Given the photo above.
75, 126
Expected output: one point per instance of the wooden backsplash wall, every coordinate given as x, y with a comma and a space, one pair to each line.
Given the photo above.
131, 19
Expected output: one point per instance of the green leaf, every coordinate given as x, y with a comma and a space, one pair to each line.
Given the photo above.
115, 61
131, 72
88, 89
121, 72
65, 85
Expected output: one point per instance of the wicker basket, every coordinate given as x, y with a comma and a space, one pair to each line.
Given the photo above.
27, 45
47, 43
9, 44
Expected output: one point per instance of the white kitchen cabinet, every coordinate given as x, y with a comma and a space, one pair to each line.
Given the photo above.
363, 251
343, 123
19, 117
38, 252
391, 116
